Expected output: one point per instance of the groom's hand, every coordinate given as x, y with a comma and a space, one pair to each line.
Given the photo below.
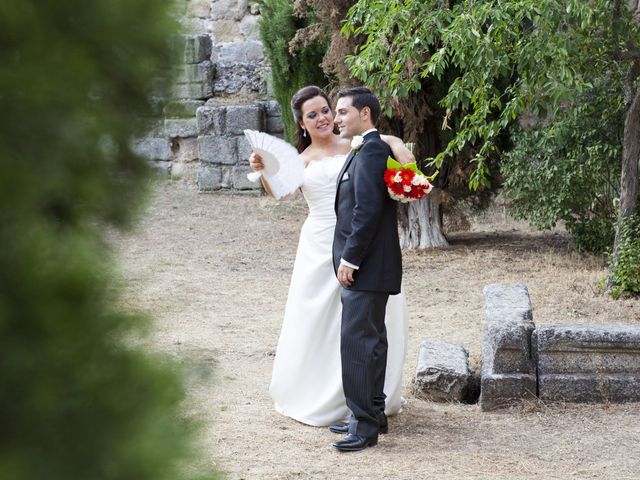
345, 275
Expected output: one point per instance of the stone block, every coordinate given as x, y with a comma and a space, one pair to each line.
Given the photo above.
241, 79
198, 91
508, 328
442, 373
244, 150
589, 362
185, 149
507, 354
194, 25
229, 9
232, 53
502, 390
211, 120
197, 48
199, 8
241, 117
215, 149
202, 72
211, 178
240, 180
152, 148
250, 27
180, 127
275, 125
225, 31
182, 108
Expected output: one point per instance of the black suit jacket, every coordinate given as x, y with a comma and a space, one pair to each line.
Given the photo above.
366, 231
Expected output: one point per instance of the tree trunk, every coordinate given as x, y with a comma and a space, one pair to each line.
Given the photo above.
630, 161
421, 223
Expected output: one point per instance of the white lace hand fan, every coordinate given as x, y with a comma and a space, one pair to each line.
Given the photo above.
283, 168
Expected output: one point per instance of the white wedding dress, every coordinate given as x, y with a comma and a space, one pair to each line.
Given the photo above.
307, 378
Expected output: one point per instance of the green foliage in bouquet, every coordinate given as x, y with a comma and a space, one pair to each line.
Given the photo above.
568, 168
78, 399
626, 268
292, 66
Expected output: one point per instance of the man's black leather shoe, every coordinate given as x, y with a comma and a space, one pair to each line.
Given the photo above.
355, 443
343, 428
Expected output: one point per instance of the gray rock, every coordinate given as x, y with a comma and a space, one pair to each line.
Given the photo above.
215, 149
233, 53
508, 363
240, 180
209, 178
180, 127
250, 27
442, 374
202, 72
197, 48
199, 9
275, 125
508, 328
211, 120
241, 117
272, 108
185, 150
198, 91
231, 9
500, 390
589, 363
152, 148
244, 150
240, 79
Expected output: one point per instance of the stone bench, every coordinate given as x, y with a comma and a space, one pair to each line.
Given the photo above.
508, 366
589, 362
442, 373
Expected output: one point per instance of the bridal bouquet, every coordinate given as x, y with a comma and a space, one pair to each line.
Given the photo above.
406, 183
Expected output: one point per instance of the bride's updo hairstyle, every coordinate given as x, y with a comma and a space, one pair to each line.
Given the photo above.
301, 96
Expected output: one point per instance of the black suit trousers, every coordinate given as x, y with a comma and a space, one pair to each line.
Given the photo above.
363, 348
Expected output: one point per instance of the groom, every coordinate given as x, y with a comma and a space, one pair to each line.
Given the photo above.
368, 264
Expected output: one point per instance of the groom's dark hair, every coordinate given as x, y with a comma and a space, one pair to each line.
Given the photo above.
363, 97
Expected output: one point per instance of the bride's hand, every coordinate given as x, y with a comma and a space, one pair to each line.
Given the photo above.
401, 153
255, 162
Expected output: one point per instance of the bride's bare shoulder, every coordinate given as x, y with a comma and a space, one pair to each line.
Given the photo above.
307, 156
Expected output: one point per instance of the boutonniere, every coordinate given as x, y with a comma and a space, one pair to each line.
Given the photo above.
356, 142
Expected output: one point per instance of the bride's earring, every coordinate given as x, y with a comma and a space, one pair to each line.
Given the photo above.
304, 132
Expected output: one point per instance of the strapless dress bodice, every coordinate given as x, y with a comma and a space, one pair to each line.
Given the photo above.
319, 187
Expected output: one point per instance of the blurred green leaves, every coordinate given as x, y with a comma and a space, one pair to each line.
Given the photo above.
77, 81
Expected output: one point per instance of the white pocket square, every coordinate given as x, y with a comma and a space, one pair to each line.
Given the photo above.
345, 177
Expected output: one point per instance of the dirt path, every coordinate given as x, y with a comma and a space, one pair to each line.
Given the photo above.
214, 271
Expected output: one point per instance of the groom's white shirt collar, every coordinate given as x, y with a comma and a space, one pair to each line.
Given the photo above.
369, 131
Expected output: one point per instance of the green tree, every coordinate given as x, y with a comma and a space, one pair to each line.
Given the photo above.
508, 58
77, 399
295, 60
568, 168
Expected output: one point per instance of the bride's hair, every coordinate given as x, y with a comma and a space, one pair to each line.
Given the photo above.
301, 96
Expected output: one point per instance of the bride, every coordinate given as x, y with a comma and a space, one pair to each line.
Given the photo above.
306, 384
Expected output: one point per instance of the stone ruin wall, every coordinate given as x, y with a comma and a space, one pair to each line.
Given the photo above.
221, 88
